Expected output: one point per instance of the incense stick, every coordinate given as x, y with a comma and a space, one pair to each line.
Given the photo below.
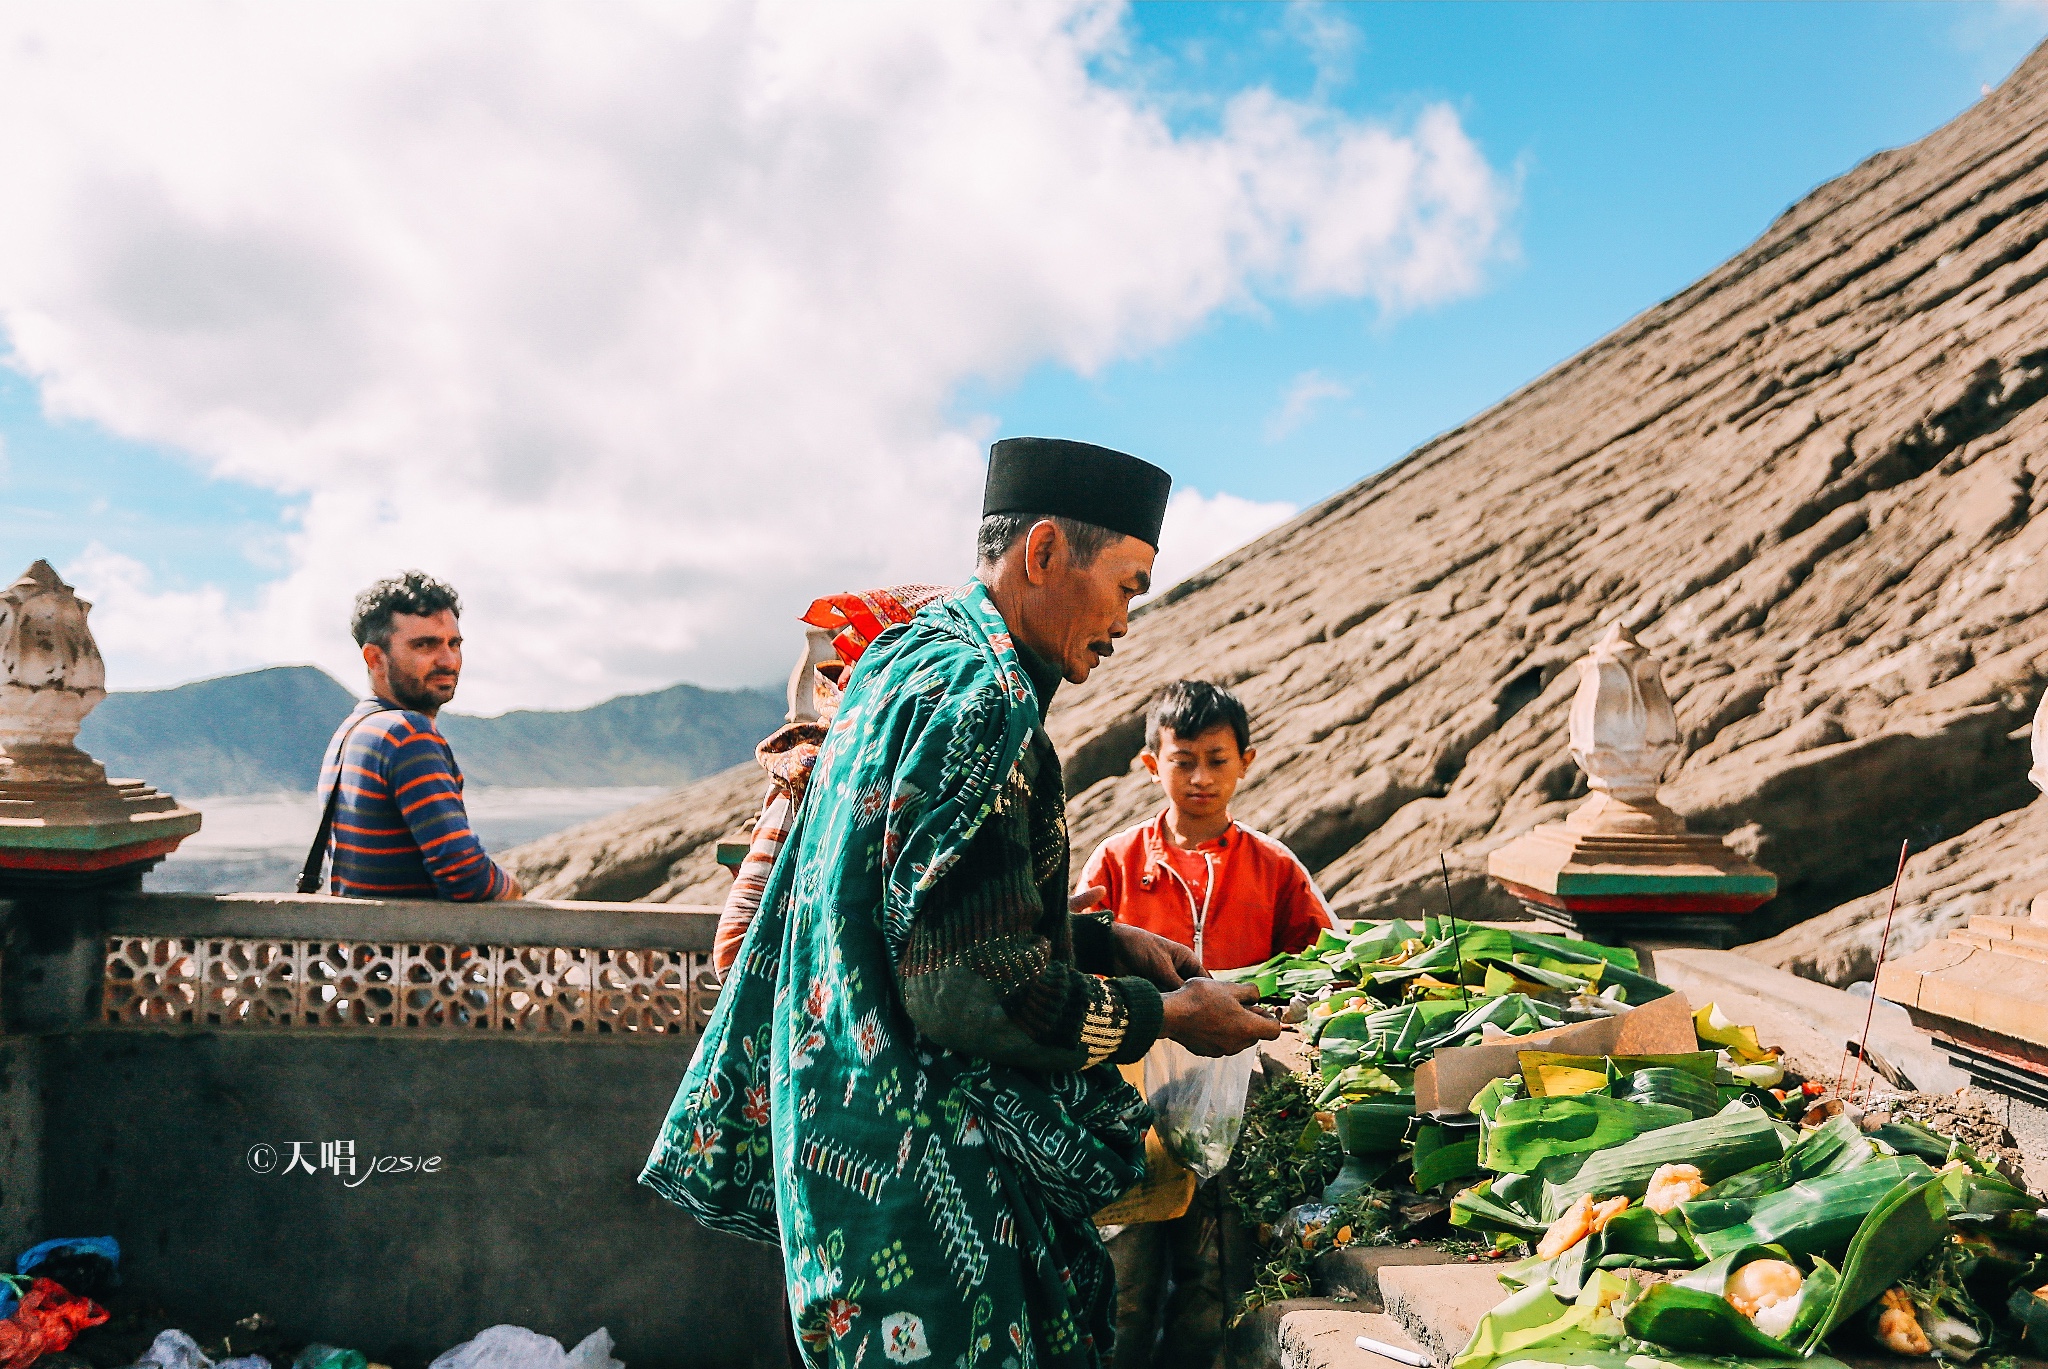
1451, 911
1883, 944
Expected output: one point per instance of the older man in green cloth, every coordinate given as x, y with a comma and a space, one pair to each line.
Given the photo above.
908, 1081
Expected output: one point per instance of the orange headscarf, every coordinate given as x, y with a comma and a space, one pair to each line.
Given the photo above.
790, 753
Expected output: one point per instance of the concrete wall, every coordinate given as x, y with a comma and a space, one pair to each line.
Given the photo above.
531, 1216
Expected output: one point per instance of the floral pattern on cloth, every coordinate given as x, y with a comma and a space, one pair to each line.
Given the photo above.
929, 1204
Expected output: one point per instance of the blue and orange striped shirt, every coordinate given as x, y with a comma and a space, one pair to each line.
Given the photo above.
400, 830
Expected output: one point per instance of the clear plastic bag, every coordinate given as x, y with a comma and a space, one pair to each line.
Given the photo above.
515, 1347
1199, 1101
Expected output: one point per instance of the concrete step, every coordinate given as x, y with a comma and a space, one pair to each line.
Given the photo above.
1354, 1272
1999, 992
1327, 1338
1438, 1305
2020, 929
2024, 950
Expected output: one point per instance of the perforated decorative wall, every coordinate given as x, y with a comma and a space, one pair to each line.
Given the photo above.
228, 982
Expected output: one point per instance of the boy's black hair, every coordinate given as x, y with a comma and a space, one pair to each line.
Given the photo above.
414, 592
1192, 707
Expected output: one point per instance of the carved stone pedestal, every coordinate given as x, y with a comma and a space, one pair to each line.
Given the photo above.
63, 823
72, 834
1614, 886
1982, 992
1623, 865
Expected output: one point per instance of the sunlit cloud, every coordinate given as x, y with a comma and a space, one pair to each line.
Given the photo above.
642, 324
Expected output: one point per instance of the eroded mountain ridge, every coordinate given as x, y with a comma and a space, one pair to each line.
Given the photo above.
1806, 482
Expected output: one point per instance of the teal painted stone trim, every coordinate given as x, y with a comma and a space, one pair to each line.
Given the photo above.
41, 835
1570, 883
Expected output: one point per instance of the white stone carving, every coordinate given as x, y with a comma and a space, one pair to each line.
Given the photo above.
1624, 735
51, 676
2039, 774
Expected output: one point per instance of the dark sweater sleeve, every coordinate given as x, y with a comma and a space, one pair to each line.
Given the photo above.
980, 975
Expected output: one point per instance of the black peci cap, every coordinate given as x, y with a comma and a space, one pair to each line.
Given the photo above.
1077, 480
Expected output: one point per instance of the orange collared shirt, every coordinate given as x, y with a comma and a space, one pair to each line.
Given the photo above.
1238, 900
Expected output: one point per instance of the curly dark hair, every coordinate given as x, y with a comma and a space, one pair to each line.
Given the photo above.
414, 592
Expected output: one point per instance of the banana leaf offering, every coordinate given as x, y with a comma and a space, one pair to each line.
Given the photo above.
1389, 964
1666, 1236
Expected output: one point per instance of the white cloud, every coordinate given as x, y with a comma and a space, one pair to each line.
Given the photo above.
1201, 528
1304, 394
640, 323
1333, 42
163, 635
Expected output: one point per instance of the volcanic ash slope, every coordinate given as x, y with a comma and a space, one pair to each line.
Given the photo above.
1806, 482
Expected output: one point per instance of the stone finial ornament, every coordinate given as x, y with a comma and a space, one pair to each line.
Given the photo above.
1622, 863
2039, 774
61, 819
51, 676
1624, 735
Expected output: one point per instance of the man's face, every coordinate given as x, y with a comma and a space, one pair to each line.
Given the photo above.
1199, 774
1082, 610
420, 668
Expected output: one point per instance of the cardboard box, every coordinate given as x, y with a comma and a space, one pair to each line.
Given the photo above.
1447, 1082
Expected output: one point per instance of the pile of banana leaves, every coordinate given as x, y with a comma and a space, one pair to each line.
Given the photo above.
1397, 962
1385, 996
1646, 1196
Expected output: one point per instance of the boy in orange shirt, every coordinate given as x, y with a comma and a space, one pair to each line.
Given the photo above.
1236, 897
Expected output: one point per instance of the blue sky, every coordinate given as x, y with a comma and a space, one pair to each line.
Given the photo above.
1652, 141
1643, 144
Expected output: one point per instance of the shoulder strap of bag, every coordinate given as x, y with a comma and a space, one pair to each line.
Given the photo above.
309, 875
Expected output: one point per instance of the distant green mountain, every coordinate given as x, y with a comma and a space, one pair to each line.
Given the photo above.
672, 736
263, 732
256, 733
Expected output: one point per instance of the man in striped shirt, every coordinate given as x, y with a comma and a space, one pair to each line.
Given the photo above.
400, 830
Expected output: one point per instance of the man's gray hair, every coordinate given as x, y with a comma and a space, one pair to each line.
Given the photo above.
1000, 531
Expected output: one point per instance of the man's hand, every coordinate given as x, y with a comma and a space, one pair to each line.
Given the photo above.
1212, 1018
1081, 900
1162, 960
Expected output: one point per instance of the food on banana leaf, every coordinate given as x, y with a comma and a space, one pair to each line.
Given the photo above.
1773, 1238
1809, 1217
1582, 1219
1767, 1292
1721, 1309
1776, 1239
1737, 1138
1672, 1185
1896, 1326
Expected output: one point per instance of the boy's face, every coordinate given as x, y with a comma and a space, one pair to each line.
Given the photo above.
1199, 774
